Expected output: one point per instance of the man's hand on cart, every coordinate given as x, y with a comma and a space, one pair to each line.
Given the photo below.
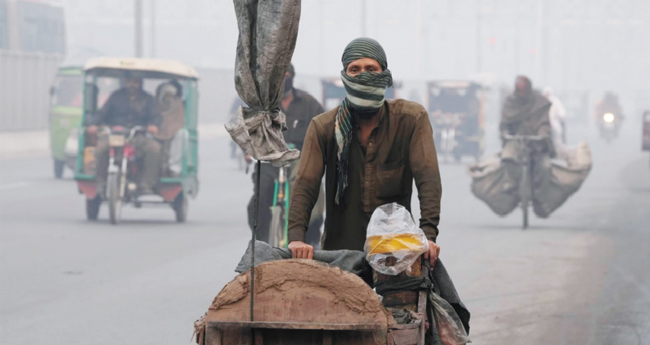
432, 254
301, 250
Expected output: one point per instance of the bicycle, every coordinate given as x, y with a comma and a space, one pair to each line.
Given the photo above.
279, 227
525, 183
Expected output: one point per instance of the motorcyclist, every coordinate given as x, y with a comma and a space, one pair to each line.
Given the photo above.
608, 104
299, 108
525, 112
128, 107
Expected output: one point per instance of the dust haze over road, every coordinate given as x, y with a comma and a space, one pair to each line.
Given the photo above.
582, 276
578, 277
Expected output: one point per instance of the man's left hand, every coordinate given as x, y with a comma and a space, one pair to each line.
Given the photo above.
432, 254
152, 129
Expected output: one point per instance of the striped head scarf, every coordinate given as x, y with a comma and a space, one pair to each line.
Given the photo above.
365, 93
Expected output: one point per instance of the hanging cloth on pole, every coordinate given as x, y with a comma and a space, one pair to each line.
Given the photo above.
267, 37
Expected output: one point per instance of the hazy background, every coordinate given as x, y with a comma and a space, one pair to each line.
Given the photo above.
571, 45
579, 277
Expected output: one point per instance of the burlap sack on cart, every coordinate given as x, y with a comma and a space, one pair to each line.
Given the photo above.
563, 178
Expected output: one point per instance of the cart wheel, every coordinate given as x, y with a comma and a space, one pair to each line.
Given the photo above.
59, 165
180, 207
114, 199
92, 207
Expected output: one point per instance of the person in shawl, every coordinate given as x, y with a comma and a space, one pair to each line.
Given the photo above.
525, 112
370, 150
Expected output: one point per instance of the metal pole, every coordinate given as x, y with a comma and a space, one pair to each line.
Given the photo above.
538, 42
138, 28
363, 18
153, 28
478, 36
516, 45
418, 36
255, 224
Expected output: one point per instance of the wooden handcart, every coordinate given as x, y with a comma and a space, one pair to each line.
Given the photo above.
306, 302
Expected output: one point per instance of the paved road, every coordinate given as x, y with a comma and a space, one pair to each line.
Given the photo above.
579, 277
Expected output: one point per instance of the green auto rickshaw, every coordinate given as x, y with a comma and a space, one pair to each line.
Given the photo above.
177, 136
66, 103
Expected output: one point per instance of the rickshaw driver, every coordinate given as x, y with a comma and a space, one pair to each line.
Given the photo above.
130, 106
370, 150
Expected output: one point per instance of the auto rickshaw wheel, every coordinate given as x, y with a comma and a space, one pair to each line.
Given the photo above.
180, 207
92, 207
59, 166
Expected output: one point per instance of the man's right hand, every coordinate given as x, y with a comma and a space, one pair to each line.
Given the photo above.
301, 250
92, 130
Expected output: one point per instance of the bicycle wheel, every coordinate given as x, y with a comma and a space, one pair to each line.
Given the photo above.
276, 229
525, 196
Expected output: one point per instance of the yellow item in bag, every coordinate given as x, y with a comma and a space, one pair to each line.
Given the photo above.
391, 243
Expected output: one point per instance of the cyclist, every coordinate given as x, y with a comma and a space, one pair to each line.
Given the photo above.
525, 112
299, 108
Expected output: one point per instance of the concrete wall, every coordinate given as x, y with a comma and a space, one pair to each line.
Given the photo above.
25, 81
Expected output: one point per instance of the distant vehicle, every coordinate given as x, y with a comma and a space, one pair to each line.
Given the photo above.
334, 92
179, 179
66, 107
609, 117
457, 115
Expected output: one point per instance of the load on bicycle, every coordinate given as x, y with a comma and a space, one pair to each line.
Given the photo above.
139, 141
530, 169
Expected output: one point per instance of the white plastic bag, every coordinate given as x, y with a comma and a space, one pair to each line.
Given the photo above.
450, 328
393, 241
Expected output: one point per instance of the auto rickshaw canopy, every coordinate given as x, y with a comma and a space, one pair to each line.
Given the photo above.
150, 68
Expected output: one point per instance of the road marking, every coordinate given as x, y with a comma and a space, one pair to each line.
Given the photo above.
14, 185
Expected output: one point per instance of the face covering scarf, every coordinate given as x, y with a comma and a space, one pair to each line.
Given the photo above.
365, 95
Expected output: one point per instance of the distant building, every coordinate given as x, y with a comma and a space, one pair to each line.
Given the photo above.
31, 26
32, 46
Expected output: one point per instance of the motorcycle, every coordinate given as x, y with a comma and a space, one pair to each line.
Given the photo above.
609, 126
123, 169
